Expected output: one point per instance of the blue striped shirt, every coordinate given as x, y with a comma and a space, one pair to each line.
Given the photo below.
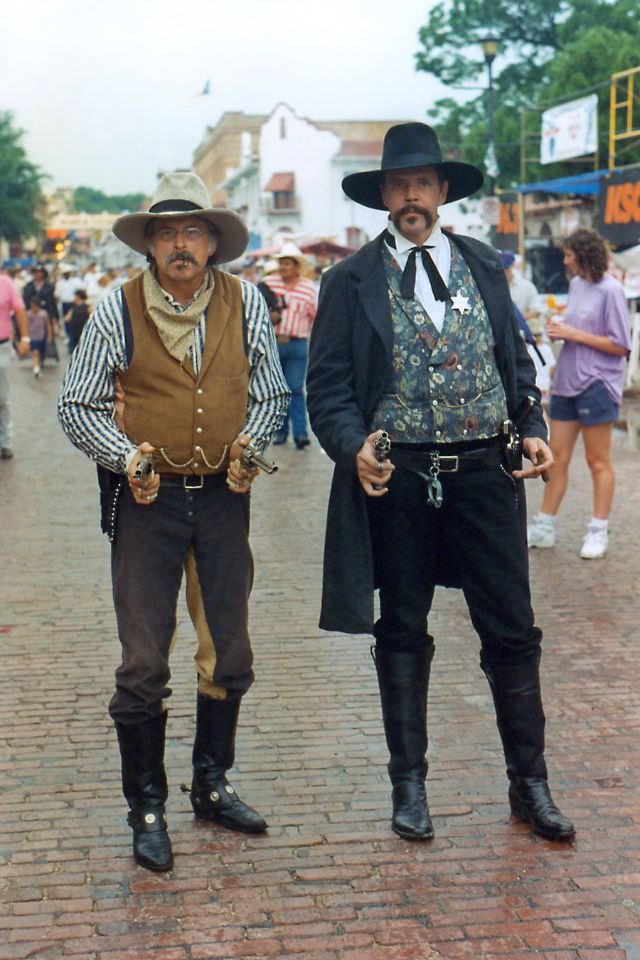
86, 407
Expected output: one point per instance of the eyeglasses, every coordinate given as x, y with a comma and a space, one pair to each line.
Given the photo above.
170, 234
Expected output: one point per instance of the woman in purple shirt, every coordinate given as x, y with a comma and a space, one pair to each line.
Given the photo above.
587, 387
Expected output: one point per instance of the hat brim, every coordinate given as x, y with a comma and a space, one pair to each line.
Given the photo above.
463, 179
232, 241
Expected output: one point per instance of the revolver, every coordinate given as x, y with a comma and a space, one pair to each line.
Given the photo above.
381, 449
250, 458
144, 468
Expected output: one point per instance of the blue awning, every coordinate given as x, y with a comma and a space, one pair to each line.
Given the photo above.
582, 184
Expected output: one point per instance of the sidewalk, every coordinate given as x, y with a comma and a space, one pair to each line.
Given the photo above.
329, 881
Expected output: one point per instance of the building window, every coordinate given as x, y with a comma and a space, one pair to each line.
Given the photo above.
283, 200
283, 128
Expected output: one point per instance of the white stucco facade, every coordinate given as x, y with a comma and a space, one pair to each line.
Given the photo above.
289, 144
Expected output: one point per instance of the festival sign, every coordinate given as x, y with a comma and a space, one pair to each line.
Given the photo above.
619, 208
506, 235
570, 130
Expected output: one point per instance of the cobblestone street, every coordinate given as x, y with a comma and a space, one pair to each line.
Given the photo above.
329, 881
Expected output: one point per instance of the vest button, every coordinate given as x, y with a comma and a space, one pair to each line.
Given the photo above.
198, 429
195, 464
197, 449
461, 399
199, 391
438, 433
434, 403
459, 367
431, 369
199, 410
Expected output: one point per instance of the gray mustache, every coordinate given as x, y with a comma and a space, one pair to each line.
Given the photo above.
185, 257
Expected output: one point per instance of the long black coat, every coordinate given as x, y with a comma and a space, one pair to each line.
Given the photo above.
349, 361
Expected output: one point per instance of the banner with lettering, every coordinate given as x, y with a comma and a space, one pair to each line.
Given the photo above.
619, 208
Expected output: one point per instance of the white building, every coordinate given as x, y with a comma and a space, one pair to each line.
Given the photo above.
287, 177
291, 185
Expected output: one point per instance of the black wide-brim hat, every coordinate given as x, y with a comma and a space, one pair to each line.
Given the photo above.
409, 145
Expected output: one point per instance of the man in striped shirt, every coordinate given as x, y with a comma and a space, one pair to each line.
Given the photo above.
300, 306
190, 352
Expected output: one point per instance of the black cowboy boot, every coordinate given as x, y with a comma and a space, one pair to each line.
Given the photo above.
212, 796
521, 721
403, 679
144, 784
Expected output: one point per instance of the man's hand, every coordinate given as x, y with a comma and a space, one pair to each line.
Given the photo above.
540, 455
239, 477
372, 474
145, 489
23, 347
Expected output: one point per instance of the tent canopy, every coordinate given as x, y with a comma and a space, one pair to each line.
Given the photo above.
582, 184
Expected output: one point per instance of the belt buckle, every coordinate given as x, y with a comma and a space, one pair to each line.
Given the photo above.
449, 459
193, 486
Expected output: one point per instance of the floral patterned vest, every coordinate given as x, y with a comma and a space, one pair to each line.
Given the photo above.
444, 386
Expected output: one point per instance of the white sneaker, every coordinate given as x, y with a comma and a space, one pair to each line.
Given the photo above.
595, 543
541, 534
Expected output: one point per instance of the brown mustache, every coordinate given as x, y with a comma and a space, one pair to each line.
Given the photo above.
413, 208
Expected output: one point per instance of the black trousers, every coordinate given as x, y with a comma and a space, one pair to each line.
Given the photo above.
211, 527
479, 535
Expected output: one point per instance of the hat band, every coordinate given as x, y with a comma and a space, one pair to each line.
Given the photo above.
406, 160
174, 206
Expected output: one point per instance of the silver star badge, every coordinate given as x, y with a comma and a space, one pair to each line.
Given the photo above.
460, 303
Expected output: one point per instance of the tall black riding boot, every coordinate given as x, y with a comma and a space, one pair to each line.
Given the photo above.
212, 796
521, 721
144, 784
403, 679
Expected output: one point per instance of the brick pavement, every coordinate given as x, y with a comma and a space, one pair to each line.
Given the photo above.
329, 880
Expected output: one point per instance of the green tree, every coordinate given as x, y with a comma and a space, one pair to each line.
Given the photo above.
20, 185
89, 200
551, 51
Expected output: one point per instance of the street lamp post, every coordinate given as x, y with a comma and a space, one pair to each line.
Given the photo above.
489, 46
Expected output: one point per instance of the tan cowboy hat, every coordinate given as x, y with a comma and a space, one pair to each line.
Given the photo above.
183, 194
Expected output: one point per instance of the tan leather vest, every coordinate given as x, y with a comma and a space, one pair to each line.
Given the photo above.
191, 421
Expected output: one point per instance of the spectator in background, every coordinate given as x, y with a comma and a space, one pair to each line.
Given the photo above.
11, 305
64, 290
301, 303
92, 285
76, 317
43, 291
40, 333
587, 388
523, 291
526, 303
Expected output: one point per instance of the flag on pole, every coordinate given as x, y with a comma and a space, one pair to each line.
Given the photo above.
206, 90
491, 161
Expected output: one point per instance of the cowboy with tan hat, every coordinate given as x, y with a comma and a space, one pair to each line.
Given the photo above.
189, 352
300, 304
415, 338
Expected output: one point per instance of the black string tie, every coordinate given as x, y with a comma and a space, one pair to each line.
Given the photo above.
408, 282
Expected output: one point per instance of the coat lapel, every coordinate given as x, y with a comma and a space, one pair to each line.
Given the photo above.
373, 293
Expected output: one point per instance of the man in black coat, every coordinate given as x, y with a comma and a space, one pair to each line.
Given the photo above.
416, 338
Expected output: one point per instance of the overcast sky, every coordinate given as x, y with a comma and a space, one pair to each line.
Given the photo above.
108, 92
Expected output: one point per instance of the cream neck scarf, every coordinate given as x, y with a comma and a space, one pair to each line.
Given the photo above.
175, 324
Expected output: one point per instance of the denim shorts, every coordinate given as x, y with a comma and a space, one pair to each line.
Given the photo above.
591, 407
